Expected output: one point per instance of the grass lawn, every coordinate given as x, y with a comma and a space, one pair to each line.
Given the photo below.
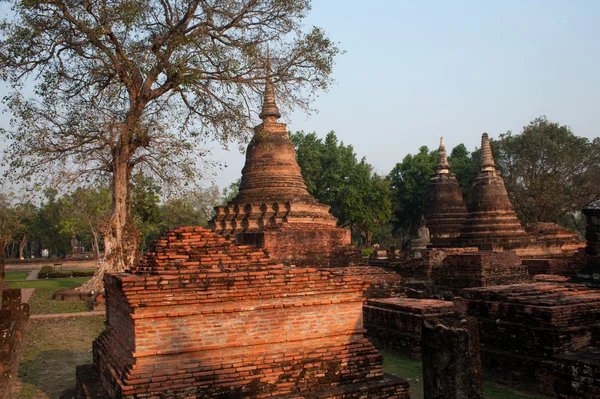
16, 275
412, 371
42, 303
52, 350
55, 283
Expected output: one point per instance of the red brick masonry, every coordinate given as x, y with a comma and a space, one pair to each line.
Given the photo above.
201, 317
543, 335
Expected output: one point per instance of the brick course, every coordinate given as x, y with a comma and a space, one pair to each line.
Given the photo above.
202, 317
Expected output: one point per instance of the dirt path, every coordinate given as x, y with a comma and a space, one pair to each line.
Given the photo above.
33, 275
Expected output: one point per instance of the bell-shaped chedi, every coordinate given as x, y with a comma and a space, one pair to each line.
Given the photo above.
273, 208
492, 221
444, 209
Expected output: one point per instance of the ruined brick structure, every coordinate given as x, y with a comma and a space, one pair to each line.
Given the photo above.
396, 323
273, 209
543, 336
14, 318
478, 269
492, 221
444, 208
451, 361
590, 274
202, 317
382, 283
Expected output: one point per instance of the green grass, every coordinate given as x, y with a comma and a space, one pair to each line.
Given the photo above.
53, 348
412, 371
55, 284
42, 303
16, 275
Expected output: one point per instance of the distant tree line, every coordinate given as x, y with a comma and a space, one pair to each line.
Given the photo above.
549, 172
27, 227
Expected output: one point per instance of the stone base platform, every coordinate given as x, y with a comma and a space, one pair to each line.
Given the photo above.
396, 323
390, 386
543, 336
478, 269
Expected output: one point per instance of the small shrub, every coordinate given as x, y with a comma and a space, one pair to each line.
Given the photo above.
60, 274
44, 272
83, 273
367, 251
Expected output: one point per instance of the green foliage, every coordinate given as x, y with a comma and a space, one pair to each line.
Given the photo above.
333, 174
461, 164
145, 209
549, 172
44, 271
367, 251
409, 180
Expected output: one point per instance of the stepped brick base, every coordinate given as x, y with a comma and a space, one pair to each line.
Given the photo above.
304, 244
396, 323
202, 317
478, 269
540, 335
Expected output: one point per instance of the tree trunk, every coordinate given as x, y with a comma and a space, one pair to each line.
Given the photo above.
95, 243
3, 285
22, 246
120, 235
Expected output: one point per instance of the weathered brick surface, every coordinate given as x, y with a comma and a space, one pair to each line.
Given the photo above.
559, 266
274, 210
382, 283
14, 318
396, 323
492, 221
205, 318
539, 335
444, 209
478, 269
305, 244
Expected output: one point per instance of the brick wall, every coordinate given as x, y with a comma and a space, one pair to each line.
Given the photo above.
396, 323
205, 318
540, 335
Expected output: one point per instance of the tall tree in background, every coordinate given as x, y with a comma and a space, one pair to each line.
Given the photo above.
461, 164
138, 84
409, 180
549, 172
358, 197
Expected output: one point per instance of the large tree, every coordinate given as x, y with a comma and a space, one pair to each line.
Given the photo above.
333, 174
409, 180
124, 85
549, 172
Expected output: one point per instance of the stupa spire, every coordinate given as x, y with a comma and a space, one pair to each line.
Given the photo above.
487, 160
442, 167
270, 112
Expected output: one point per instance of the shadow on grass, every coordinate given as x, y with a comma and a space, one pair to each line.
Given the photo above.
50, 372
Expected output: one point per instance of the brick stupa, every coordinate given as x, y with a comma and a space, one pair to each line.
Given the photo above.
201, 317
444, 208
273, 209
492, 221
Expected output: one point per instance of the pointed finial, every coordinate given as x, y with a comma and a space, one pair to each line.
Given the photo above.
442, 167
270, 112
487, 160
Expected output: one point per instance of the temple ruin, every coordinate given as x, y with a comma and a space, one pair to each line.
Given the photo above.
202, 317
273, 209
444, 208
492, 221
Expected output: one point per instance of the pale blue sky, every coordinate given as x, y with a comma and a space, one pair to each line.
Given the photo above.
417, 70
